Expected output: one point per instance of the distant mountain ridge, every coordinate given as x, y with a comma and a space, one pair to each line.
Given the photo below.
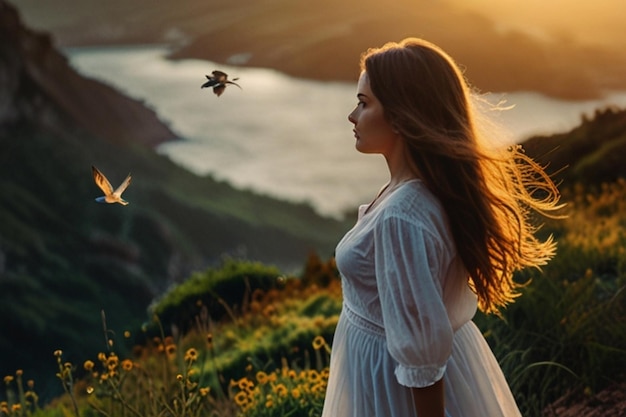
323, 40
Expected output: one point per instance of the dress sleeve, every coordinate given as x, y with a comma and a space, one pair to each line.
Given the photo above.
409, 260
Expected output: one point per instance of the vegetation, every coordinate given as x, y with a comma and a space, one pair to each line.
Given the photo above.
63, 257
245, 337
266, 354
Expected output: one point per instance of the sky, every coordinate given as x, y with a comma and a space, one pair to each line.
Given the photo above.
590, 22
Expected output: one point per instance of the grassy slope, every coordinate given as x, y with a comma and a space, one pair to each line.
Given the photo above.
64, 257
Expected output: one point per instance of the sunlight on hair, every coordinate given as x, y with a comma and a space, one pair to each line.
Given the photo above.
488, 110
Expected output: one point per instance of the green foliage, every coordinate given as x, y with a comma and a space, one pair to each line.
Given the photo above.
566, 332
218, 289
591, 154
65, 257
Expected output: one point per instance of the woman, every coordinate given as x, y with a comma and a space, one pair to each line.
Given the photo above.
441, 238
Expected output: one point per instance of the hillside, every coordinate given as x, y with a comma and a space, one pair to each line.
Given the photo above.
63, 257
591, 154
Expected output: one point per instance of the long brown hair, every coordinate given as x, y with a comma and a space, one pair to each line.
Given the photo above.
488, 194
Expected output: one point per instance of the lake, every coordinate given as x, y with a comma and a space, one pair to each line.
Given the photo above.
282, 136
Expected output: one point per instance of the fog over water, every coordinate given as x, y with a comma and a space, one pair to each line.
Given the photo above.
279, 135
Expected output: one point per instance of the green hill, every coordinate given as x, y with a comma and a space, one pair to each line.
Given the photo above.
64, 257
592, 153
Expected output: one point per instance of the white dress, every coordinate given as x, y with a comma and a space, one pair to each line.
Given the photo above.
406, 317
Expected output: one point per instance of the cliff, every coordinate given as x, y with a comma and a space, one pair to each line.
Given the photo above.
37, 84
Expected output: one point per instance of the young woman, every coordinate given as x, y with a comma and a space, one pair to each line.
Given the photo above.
441, 238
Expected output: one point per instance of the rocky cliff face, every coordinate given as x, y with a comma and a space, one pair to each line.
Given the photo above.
37, 84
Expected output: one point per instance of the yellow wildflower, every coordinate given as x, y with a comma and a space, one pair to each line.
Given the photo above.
245, 384
127, 365
170, 350
314, 376
8, 379
280, 390
191, 355
318, 342
58, 353
262, 377
88, 365
241, 399
204, 391
112, 361
31, 396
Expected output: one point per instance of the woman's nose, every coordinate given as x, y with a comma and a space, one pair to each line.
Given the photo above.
351, 118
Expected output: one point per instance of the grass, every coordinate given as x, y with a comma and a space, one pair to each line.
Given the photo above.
266, 354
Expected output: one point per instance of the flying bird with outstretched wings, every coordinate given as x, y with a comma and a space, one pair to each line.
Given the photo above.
218, 80
110, 195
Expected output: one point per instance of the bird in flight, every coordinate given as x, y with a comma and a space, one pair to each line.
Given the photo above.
218, 81
110, 196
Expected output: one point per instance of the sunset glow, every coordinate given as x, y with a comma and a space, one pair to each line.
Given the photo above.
590, 22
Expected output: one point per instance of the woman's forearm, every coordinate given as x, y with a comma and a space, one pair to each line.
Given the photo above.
429, 400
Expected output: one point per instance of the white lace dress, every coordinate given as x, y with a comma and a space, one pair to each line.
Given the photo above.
406, 318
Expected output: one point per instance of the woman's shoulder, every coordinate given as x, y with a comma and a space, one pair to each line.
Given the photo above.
415, 204
413, 199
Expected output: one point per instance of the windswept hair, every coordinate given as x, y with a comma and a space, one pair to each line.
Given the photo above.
488, 194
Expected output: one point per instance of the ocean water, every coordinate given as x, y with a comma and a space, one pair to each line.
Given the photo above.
283, 136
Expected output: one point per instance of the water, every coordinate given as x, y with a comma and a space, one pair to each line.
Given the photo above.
279, 135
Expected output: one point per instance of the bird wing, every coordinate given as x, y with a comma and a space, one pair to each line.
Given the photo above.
102, 181
119, 190
219, 89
